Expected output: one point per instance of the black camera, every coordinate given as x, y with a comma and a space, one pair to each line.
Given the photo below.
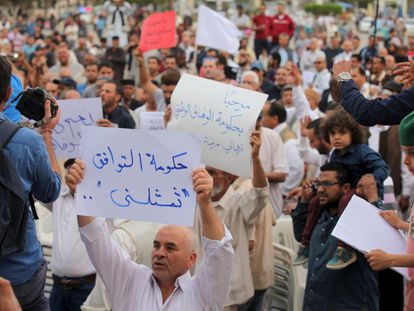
32, 104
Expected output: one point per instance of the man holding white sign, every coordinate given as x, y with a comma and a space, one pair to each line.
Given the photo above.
169, 284
356, 286
240, 212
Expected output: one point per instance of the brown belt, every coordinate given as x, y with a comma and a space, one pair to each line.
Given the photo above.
69, 282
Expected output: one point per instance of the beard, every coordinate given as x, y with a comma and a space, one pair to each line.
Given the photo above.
108, 103
216, 190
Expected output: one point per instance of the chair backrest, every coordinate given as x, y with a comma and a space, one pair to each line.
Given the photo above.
282, 233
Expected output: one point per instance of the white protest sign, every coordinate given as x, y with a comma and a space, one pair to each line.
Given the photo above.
152, 120
223, 115
138, 174
308, 77
75, 113
364, 229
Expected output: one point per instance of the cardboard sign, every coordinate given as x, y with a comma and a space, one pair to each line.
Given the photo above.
363, 228
138, 174
158, 31
152, 120
75, 114
224, 116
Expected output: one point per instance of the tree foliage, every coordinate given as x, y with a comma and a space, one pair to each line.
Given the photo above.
323, 9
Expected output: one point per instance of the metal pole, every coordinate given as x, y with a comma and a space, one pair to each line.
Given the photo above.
375, 23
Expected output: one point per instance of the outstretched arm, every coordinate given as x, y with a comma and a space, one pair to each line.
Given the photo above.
73, 178
367, 112
259, 177
212, 226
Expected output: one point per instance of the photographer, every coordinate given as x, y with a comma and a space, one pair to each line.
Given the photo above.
34, 160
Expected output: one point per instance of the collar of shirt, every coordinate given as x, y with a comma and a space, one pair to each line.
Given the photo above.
64, 191
323, 72
280, 127
350, 149
226, 199
180, 283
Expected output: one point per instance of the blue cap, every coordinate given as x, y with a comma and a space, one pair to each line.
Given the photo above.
257, 65
67, 81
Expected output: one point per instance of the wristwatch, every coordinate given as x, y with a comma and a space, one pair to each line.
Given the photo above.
343, 77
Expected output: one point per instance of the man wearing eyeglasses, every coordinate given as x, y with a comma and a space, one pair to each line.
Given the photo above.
354, 287
322, 76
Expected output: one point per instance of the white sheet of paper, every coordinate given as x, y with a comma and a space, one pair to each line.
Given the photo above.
75, 113
307, 77
138, 174
364, 229
152, 120
223, 115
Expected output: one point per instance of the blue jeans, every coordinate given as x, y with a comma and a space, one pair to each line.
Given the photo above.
31, 293
254, 303
69, 299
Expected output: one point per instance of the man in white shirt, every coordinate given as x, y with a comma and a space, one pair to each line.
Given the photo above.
169, 285
309, 56
274, 117
272, 152
73, 273
239, 212
64, 61
136, 238
322, 76
360, 79
241, 19
348, 48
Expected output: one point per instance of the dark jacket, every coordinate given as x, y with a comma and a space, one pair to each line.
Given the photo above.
353, 288
389, 111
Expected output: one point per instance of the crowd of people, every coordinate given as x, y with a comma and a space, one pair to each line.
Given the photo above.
337, 122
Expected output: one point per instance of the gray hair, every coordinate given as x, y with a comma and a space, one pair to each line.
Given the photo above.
251, 74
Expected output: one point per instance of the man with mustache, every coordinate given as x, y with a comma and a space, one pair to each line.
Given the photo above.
169, 285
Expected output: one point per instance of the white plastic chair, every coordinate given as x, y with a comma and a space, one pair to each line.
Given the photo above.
284, 241
282, 233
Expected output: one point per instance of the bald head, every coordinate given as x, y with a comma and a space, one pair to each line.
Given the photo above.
173, 253
186, 234
72, 94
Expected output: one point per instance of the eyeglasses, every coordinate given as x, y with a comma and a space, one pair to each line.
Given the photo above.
319, 62
326, 183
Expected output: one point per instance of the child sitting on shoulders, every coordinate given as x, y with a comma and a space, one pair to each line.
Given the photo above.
346, 137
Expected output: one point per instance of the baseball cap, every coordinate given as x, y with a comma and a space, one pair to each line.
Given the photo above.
257, 65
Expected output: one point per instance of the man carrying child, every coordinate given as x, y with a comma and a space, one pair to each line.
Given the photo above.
356, 286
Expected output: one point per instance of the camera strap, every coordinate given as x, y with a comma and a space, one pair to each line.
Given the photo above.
30, 125
14, 99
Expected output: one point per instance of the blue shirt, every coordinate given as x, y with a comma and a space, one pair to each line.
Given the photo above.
27, 152
360, 159
82, 87
352, 288
389, 111
11, 112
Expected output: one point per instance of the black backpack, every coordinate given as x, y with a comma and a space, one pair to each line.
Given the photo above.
13, 210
